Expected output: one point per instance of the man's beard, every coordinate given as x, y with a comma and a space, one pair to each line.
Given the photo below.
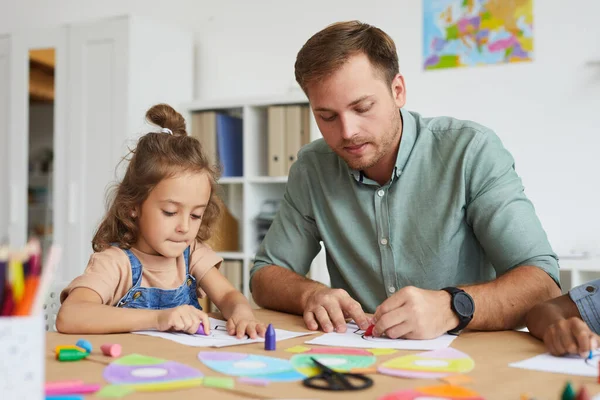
361, 163
381, 148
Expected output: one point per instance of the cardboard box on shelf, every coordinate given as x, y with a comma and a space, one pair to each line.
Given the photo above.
226, 232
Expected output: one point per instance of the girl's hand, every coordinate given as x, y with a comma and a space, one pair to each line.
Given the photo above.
183, 318
570, 336
244, 323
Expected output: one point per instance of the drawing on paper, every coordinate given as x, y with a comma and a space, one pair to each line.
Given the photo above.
218, 336
361, 333
355, 337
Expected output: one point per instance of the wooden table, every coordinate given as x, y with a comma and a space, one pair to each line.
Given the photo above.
492, 352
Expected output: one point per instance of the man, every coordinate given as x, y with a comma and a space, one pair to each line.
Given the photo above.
569, 323
404, 205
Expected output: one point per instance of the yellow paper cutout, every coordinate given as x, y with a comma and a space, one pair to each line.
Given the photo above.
382, 352
69, 347
298, 349
414, 363
161, 386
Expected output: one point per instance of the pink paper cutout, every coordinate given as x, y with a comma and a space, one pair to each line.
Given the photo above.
411, 394
447, 353
73, 389
403, 395
413, 374
339, 350
254, 381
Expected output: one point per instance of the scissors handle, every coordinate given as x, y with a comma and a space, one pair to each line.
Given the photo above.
338, 381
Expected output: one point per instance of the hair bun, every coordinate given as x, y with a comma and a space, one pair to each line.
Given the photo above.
165, 116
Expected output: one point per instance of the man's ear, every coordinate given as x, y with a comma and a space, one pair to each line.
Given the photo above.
398, 90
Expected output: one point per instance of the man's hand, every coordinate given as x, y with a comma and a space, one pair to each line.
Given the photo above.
570, 336
414, 313
329, 309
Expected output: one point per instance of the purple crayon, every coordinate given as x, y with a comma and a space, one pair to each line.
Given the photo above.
270, 338
200, 330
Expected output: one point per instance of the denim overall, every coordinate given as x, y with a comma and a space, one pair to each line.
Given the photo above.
155, 298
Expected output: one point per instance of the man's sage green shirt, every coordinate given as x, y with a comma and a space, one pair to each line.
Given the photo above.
454, 212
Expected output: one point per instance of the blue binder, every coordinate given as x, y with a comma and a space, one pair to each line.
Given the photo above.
230, 145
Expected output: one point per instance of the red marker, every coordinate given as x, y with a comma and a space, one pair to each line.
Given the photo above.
583, 394
369, 331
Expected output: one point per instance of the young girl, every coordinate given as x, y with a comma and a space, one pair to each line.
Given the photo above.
150, 264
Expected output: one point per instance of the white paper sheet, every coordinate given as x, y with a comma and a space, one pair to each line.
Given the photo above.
571, 365
354, 337
218, 336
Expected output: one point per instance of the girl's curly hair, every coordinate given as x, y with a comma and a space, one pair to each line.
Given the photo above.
158, 155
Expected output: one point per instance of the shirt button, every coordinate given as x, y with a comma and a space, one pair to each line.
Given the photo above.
391, 289
380, 193
383, 241
590, 289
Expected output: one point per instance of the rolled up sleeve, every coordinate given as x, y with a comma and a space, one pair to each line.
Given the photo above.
587, 299
503, 218
108, 273
293, 238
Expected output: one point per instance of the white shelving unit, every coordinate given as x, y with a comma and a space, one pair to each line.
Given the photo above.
577, 271
244, 195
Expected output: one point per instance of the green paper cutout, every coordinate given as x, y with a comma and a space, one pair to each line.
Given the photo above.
304, 364
218, 382
114, 391
138, 359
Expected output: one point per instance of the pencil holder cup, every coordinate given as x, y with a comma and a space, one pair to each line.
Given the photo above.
22, 348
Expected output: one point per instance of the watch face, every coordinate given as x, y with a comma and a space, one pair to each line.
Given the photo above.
464, 304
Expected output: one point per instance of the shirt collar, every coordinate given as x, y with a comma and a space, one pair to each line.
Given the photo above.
407, 142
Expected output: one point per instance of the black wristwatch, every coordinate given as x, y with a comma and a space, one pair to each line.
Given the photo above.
463, 306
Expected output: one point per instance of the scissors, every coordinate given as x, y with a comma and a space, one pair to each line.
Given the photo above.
329, 379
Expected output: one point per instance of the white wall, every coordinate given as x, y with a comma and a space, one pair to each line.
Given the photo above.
547, 112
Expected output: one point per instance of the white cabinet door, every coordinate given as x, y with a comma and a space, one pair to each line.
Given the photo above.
97, 102
18, 139
17, 144
4, 134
